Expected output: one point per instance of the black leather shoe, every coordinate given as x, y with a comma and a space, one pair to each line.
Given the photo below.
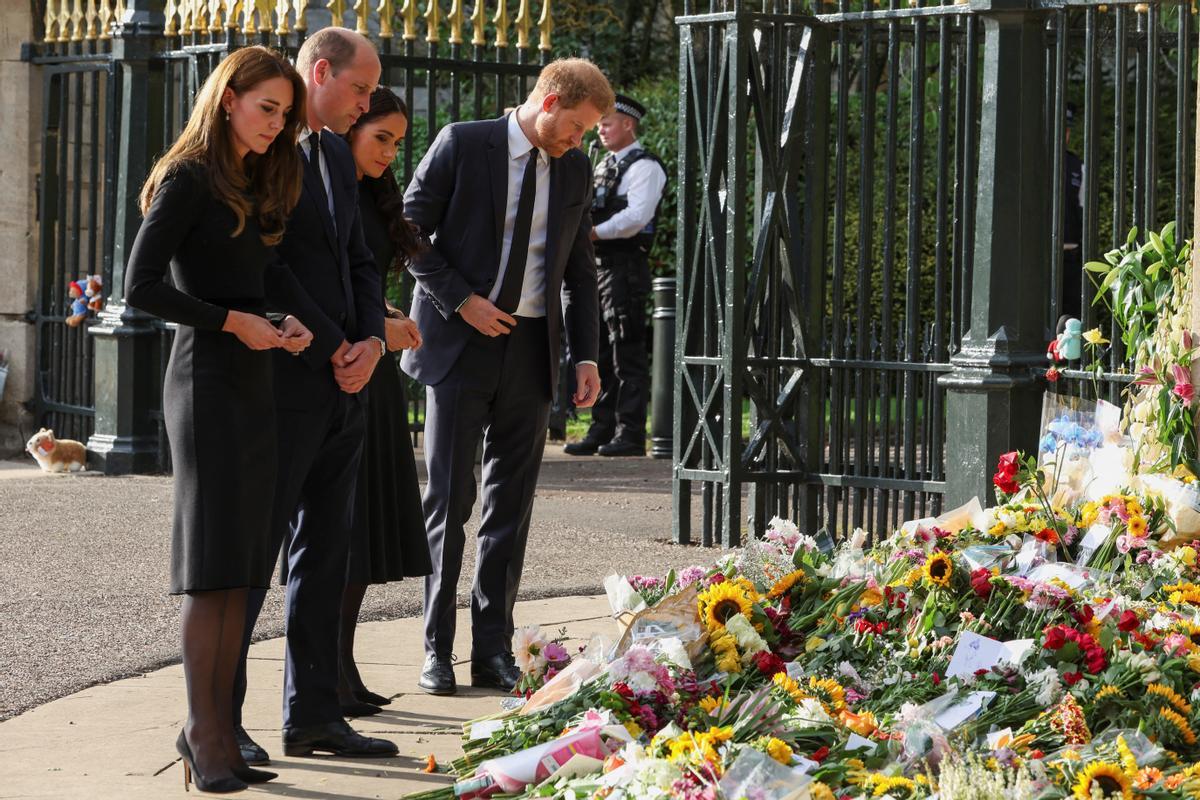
337, 738
620, 447
367, 696
254, 755
355, 708
584, 447
496, 672
437, 676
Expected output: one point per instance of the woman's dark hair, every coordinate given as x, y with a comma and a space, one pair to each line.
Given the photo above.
384, 189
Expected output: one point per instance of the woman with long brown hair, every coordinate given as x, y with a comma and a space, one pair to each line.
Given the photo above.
215, 205
388, 540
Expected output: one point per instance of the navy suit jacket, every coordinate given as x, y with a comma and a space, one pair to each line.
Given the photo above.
336, 268
457, 198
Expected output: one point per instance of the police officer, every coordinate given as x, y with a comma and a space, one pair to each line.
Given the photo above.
629, 185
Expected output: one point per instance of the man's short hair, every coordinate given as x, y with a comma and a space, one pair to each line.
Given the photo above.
574, 80
338, 46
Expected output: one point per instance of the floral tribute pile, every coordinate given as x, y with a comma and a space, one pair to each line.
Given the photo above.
1046, 647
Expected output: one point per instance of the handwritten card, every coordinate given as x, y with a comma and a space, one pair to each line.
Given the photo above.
975, 652
963, 710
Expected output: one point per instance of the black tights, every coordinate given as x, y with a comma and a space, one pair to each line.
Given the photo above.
211, 630
349, 681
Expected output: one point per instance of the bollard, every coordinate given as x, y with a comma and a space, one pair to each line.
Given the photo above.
662, 383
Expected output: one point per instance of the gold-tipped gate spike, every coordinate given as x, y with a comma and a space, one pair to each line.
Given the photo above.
501, 22
301, 7
433, 21
408, 15
362, 15
51, 21
386, 12
545, 27
64, 20
170, 11
338, 9
477, 22
524, 22
281, 17
93, 20
233, 12
455, 20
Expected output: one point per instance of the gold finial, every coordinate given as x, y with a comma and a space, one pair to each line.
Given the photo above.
215, 9
170, 10
433, 20
188, 11
362, 13
107, 17
51, 21
338, 9
119, 14
386, 12
1141, 8
523, 22
455, 20
545, 26
301, 7
501, 20
281, 17
64, 20
477, 20
408, 13
91, 21
234, 10
77, 26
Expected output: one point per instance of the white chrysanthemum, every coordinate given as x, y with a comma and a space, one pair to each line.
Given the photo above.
809, 713
748, 640
1047, 685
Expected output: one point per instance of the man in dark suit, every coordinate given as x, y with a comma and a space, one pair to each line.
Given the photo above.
505, 204
320, 415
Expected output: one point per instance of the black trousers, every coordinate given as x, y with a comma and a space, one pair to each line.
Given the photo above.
620, 411
319, 452
498, 389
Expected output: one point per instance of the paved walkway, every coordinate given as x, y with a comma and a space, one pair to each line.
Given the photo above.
116, 741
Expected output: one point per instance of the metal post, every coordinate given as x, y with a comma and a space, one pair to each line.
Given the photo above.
125, 438
993, 399
662, 383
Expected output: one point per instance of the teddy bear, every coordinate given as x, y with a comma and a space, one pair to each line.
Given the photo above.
94, 292
77, 292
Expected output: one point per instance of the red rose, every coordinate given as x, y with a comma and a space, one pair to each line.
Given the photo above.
768, 663
937, 679
1052, 374
1008, 463
1005, 483
981, 582
1128, 622
820, 754
1055, 638
1072, 678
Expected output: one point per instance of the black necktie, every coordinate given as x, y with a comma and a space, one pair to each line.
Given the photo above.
514, 273
314, 155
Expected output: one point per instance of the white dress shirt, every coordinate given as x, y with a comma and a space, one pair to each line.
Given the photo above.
533, 287
642, 185
306, 144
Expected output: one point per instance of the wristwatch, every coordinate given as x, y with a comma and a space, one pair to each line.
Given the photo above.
382, 345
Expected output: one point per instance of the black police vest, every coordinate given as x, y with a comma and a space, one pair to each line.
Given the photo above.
606, 203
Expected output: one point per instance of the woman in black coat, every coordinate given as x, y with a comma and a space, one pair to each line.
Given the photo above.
215, 205
388, 539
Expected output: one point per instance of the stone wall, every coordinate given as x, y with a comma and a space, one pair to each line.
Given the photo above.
20, 99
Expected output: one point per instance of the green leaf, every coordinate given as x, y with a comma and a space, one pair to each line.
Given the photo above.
1132, 237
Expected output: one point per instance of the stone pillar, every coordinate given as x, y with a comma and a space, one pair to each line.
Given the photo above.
993, 400
20, 97
125, 438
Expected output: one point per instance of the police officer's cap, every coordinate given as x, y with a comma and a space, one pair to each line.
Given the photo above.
630, 107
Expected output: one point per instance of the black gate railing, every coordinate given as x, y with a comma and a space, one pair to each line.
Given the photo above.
159, 52
877, 238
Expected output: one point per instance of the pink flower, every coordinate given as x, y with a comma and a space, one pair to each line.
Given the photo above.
1175, 644
1147, 377
555, 653
1183, 388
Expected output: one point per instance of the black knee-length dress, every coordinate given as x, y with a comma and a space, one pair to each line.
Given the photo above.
218, 394
388, 538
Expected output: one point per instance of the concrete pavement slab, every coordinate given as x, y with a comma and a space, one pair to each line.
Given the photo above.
116, 741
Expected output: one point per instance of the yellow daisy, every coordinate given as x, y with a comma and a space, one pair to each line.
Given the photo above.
1106, 776
1137, 526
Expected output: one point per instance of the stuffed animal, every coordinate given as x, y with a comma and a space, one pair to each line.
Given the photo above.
94, 292
56, 455
79, 303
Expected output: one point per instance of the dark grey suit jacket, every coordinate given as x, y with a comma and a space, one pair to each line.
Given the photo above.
457, 198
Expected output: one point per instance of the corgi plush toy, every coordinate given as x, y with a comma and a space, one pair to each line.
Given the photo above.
56, 455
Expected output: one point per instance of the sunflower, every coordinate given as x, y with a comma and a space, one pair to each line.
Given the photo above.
887, 785
1128, 759
1106, 776
820, 791
1178, 724
1171, 696
1106, 691
829, 692
789, 686
784, 585
1179, 593
721, 601
939, 569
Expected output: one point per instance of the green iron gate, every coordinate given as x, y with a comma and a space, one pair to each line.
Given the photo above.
870, 252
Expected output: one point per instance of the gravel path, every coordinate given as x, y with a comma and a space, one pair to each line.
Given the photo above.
83, 566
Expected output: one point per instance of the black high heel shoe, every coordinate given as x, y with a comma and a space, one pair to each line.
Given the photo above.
251, 775
192, 775
365, 695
